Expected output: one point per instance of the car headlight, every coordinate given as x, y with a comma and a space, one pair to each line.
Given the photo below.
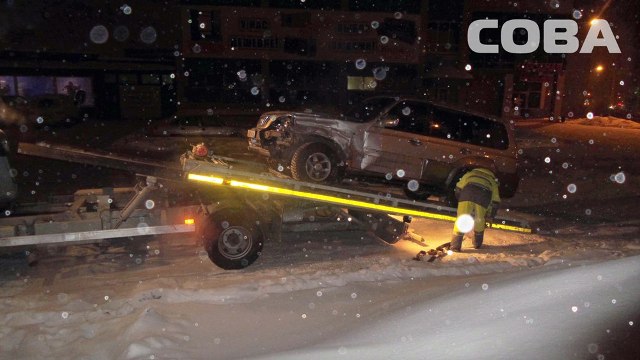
264, 120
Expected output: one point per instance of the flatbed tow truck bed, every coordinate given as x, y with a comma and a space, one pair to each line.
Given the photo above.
233, 206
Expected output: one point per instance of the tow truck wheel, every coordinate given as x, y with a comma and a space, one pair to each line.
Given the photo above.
314, 163
232, 238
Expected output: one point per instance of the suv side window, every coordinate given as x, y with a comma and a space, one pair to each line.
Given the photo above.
483, 132
470, 129
412, 116
444, 124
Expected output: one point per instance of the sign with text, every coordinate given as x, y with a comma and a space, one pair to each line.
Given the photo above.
559, 36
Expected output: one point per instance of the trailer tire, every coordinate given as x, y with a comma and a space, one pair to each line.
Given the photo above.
232, 238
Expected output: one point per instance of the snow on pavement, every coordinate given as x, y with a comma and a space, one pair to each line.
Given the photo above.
314, 289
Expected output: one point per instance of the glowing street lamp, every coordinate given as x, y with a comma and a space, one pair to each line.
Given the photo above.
594, 21
599, 68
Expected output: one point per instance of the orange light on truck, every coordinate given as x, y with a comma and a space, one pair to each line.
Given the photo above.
189, 221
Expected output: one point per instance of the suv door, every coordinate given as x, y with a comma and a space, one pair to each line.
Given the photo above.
444, 151
458, 140
396, 141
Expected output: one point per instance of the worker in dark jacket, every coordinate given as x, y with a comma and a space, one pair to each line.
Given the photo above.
478, 196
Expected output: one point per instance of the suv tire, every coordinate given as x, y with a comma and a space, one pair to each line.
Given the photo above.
421, 194
314, 162
450, 193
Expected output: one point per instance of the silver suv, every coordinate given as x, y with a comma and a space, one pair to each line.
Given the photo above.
426, 147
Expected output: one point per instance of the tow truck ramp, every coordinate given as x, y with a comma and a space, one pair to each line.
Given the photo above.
224, 175
231, 206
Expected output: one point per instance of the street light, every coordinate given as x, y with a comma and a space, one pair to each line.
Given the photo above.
599, 68
594, 21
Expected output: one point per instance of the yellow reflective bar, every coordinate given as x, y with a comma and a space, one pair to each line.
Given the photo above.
210, 179
510, 228
339, 201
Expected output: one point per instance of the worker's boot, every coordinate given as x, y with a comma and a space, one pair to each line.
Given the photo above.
456, 243
477, 240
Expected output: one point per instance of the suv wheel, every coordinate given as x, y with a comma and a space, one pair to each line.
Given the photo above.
450, 196
420, 194
315, 163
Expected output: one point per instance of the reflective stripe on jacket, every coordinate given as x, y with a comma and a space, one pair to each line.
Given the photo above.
481, 178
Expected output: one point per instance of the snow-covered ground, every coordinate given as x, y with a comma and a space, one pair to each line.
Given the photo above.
571, 291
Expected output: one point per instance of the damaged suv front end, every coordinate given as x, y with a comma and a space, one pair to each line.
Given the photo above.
271, 132
280, 135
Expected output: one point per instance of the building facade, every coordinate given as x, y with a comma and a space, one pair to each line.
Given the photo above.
267, 56
331, 54
156, 59
119, 57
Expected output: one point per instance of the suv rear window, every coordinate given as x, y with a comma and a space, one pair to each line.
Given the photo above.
469, 129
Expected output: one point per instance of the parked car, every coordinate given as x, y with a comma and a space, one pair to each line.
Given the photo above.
426, 146
41, 110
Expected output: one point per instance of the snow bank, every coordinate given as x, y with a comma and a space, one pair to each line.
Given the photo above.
569, 313
607, 121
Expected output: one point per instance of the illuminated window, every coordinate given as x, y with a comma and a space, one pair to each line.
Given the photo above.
363, 83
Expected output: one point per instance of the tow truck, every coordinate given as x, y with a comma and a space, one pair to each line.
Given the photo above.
233, 206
